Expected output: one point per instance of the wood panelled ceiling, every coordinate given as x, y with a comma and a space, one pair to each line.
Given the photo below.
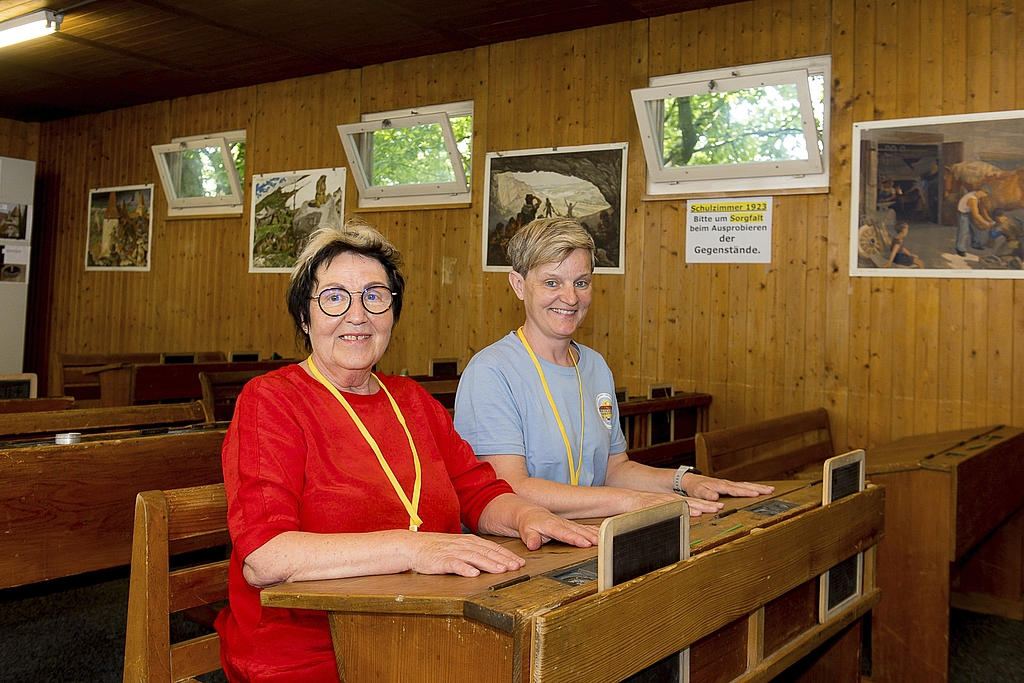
117, 53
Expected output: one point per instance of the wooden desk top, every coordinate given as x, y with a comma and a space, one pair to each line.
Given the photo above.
446, 594
944, 451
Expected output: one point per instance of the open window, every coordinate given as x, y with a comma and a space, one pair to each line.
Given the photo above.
744, 129
413, 156
203, 174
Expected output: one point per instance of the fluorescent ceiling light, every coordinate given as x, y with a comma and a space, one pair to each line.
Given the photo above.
29, 26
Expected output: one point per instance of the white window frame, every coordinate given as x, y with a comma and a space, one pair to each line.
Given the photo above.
228, 205
811, 176
419, 194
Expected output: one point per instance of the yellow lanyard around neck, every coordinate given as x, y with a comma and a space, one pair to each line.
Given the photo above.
574, 468
413, 506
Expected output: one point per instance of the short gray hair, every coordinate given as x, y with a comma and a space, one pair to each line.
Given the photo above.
548, 240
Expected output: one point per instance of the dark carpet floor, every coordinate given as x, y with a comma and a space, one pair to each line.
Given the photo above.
73, 630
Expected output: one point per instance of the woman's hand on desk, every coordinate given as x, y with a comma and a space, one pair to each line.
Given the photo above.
710, 488
465, 555
511, 515
537, 526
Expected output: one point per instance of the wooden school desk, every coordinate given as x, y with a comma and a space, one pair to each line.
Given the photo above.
70, 508
947, 496
746, 603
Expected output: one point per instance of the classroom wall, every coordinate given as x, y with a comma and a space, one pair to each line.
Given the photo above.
887, 357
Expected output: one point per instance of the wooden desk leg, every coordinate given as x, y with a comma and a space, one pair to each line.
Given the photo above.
419, 647
910, 626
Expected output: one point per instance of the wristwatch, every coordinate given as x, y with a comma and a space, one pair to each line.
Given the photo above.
677, 483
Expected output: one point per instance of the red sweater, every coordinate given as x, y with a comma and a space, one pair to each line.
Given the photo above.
295, 461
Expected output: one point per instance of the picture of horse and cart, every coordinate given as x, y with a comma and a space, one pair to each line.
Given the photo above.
939, 197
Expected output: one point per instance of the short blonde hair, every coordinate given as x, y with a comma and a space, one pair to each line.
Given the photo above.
548, 240
321, 248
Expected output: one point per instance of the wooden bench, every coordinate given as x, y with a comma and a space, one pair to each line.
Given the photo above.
72, 376
97, 420
167, 522
780, 448
134, 383
689, 415
68, 509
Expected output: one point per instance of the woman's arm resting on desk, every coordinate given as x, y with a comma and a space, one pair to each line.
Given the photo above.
305, 556
700, 490
512, 515
576, 501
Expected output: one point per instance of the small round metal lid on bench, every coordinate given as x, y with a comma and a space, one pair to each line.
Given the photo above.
68, 437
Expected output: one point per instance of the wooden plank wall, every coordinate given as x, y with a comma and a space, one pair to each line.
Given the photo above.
887, 357
19, 140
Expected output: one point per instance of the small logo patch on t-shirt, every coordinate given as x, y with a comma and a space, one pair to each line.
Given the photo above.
604, 406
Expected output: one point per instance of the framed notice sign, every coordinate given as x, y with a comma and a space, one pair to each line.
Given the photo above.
729, 230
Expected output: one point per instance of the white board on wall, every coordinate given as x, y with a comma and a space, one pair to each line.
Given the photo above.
17, 194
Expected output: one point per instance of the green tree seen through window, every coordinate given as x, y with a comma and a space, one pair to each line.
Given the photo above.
202, 173
417, 154
739, 126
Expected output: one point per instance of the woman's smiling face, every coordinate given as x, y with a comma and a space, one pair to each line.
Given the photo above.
557, 294
349, 344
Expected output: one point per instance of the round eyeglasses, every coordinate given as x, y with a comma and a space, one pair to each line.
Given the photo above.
336, 301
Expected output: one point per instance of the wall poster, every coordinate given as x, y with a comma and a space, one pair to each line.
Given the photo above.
587, 183
939, 196
286, 208
120, 228
15, 221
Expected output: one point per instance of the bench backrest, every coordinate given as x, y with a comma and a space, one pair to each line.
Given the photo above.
772, 449
196, 516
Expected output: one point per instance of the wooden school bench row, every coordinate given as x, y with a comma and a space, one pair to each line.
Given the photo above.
955, 510
760, 622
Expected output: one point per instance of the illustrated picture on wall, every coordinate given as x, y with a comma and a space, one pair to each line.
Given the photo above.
587, 183
939, 196
120, 228
14, 263
15, 221
286, 208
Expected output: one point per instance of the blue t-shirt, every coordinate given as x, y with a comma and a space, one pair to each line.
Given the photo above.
501, 409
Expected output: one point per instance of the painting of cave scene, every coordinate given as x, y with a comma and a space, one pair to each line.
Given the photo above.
587, 183
286, 209
15, 220
120, 228
939, 196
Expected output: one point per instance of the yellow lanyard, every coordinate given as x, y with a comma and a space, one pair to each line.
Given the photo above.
574, 468
413, 506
